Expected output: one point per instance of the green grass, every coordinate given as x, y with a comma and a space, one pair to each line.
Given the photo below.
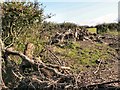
71, 52
92, 30
113, 32
79, 56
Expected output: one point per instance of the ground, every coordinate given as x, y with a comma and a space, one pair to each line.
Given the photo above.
90, 63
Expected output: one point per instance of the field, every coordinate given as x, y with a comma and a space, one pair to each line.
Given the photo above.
41, 55
92, 30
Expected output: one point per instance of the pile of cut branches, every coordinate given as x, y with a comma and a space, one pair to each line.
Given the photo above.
33, 74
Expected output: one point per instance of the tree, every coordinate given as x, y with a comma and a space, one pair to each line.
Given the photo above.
68, 25
15, 17
102, 28
18, 15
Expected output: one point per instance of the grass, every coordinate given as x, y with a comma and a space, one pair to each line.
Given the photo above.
81, 57
113, 32
72, 52
92, 30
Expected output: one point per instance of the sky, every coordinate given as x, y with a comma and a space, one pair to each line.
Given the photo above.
82, 12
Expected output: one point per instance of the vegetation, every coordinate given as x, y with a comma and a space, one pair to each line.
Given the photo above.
103, 28
21, 27
84, 56
24, 22
92, 30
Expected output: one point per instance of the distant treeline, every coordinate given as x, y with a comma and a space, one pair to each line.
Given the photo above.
107, 27
101, 28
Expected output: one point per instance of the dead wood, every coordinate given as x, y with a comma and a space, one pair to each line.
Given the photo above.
57, 59
36, 64
105, 84
47, 76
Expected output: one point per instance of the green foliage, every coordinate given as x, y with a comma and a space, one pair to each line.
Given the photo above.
19, 15
68, 25
104, 28
24, 22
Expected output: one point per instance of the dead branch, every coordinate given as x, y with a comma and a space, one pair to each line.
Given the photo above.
98, 67
57, 66
19, 77
24, 57
62, 79
58, 60
100, 84
33, 62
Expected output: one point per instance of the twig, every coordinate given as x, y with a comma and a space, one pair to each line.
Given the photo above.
53, 55
32, 62
17, 75
98, 67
